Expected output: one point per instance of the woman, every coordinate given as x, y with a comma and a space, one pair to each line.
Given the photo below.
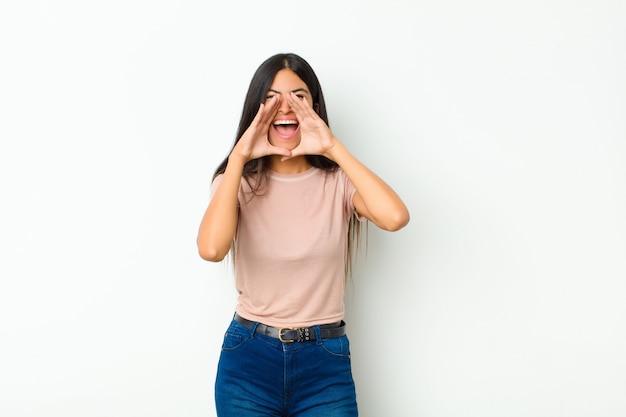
287, 202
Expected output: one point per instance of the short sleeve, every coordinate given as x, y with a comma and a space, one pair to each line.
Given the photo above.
349, 192
216, 182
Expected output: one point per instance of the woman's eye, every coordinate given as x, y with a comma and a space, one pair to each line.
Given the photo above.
269, 97
300, 96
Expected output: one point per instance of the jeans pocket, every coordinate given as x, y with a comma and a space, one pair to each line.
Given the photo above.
232, 341
234, 337
337, 346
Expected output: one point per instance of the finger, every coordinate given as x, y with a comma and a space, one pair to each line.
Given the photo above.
301, 107
294, 102
272, 108
259, 113
265, 113
297, 151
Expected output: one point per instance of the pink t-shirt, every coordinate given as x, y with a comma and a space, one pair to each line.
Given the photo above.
291, 248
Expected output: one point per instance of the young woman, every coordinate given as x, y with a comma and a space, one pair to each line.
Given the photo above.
287, 202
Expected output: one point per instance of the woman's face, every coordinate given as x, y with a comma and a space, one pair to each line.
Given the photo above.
285, 131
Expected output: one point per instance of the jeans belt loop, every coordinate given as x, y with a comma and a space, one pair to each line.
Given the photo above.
318, 335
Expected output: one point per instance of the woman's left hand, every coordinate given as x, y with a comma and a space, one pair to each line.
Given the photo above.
315, 136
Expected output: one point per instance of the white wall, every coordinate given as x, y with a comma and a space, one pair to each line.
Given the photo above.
500, 123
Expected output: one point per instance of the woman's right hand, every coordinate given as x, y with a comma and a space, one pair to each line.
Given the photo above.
255, 141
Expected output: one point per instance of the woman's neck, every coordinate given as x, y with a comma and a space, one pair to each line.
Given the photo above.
290, 166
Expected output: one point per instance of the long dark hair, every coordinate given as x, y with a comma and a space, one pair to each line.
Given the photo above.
257, 169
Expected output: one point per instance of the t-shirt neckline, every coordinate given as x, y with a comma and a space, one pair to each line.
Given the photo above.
293, 177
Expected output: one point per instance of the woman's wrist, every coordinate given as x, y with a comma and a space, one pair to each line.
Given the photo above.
235, 160
334, 153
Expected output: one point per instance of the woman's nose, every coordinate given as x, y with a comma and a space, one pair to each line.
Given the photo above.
283, 107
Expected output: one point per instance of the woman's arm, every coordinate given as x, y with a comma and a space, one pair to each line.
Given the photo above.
219, 223
374, 199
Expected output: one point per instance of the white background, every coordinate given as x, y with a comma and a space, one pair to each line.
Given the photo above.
500, 123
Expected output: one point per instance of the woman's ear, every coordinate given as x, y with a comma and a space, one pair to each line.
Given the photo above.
316, 107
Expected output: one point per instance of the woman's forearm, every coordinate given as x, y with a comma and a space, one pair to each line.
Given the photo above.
375, 199
219, 223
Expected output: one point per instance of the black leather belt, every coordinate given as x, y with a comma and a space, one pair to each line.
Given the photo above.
298, 334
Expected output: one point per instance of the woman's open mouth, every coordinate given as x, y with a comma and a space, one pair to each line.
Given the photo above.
286, 128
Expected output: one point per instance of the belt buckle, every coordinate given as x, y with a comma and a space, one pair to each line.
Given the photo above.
280, 335
303, 334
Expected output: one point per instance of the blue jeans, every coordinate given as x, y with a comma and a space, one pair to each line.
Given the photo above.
258, 375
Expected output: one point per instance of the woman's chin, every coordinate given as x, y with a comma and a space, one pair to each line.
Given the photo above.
285, 144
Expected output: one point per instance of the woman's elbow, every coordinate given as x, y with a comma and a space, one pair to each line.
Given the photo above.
210, 256
396, 221
211, 253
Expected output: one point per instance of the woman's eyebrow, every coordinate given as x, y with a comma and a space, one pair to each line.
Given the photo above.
297, 90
